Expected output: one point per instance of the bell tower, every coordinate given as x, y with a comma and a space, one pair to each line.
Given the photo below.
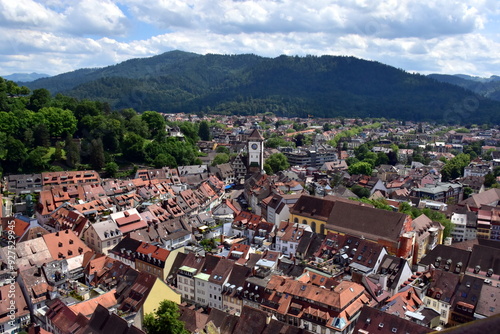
255, 147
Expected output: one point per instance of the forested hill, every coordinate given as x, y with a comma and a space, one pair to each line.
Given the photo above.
487, 87
325, 86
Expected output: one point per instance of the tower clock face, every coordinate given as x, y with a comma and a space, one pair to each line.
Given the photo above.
254, 146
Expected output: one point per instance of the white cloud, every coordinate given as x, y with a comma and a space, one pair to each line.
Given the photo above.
95, 17
27, 14
424, 36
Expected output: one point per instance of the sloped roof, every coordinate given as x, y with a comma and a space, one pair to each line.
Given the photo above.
488, 197
317, 207
251, 321
88, 307
255, 135
375, 321
444, 253
370, 222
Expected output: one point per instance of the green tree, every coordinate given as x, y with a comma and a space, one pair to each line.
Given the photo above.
467, 192
133, 147
190, 130
72, 152
58, 153
405, 207
35, 161
360, 191
60, 122
382, 159
165, 320
489, 180
277, 162
454, 167
86, 108
39, 99
16, 155
220, 158
496, 171
138, 126
164, 159
97, 159
111, 169
155, 121
222, 149
361, 167
41, 135
275, 142
204, 131
268, 169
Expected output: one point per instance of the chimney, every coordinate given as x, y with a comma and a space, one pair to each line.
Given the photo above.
410, 292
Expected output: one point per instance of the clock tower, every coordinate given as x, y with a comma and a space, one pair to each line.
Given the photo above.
255, 148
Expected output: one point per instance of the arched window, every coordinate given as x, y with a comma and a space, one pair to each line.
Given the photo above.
322, 229
313, 226
296, 220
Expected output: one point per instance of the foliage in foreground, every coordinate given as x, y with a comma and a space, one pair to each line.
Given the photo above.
165, 320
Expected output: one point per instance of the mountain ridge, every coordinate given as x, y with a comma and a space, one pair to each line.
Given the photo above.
323, 86
25, 77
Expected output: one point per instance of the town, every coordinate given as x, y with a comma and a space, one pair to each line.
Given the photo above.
289, 225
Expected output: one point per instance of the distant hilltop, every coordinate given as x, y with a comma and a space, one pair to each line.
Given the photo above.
25, 77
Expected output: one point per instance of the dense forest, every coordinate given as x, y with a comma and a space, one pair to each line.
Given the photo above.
39, 132
487, 87
326, 86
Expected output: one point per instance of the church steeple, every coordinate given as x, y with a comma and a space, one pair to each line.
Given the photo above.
255, 147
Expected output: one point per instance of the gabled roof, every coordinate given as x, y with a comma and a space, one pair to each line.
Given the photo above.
88, 307
251, 321
12, 294
255, 135
106, 322
60, 315
194, 320
443, 285
224, 321
221, 272
369, 222
19, 227
317, 207
488, 197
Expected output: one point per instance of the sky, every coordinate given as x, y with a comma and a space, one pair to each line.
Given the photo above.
425, 36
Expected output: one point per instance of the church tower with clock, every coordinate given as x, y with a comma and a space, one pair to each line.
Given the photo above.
255, 146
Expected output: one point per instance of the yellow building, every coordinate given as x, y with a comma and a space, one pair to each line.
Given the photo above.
392, 230
313, 211
160, 292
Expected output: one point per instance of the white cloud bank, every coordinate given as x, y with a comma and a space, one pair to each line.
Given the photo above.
55, 36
